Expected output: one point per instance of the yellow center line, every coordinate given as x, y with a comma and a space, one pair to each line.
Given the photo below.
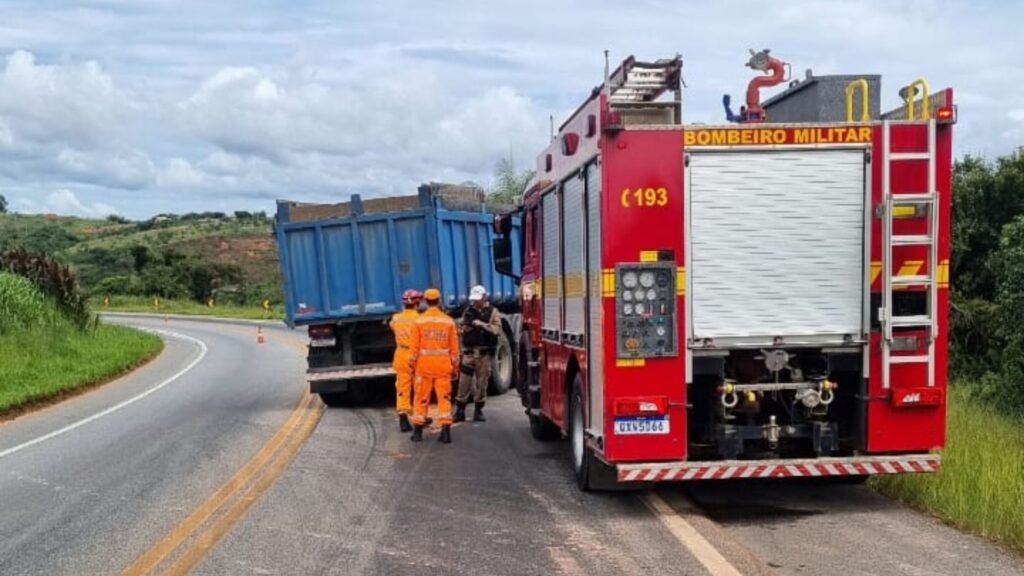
209, 538
158, 553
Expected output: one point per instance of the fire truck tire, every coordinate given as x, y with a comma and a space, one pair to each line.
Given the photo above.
591, 474
502, 368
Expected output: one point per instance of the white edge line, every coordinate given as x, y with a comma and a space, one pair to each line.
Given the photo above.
689, 537
116, 407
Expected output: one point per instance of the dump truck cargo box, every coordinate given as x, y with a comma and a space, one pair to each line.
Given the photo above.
352, 261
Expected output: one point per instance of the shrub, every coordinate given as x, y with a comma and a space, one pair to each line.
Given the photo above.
22, 305
52, 278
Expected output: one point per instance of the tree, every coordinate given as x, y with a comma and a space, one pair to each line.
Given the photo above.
509, 183
3, 204
1008, 268
985, 199
141, 257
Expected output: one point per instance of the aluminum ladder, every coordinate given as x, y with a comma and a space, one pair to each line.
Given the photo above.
639, 82
905, 204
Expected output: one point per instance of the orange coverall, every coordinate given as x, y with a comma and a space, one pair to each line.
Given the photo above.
403, 324
435, 357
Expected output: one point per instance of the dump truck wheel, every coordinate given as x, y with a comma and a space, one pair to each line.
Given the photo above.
501, 368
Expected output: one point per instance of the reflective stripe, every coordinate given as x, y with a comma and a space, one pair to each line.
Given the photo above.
433, 352
440, 320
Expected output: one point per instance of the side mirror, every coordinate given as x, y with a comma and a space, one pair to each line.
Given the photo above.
503, 224
502, 249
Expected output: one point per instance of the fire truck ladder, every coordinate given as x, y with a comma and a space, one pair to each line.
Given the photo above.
639, 82
901, 204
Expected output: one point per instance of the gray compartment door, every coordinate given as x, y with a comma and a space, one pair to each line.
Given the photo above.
776, 243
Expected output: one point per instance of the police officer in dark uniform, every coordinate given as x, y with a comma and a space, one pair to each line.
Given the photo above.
481, 325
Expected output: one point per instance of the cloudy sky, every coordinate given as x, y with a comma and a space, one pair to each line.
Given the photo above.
144, 106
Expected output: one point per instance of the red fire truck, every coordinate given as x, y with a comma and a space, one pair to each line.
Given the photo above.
758, 299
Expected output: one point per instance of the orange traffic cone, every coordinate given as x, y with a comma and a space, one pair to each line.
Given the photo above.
259, 335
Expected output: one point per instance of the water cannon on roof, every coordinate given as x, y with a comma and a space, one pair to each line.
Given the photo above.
776, 71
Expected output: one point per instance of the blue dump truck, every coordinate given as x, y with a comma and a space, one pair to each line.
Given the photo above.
346, 265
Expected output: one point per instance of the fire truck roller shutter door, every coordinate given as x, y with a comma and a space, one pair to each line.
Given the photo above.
551, 283
572, 252
777, 243
595, 372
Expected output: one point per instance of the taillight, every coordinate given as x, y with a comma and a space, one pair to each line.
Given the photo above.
321, 331
641, 406
946, 115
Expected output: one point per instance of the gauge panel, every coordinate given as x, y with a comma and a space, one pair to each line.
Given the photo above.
646, 310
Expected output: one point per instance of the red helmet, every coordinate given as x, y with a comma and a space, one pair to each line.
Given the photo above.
411, 297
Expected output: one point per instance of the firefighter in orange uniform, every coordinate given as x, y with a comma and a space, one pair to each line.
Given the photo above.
435, 358
403, 324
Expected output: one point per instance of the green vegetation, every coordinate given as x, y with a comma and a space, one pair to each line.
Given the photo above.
981, 485
47, 353
987, 272
188, 307
189, 257
509, 183
55, 281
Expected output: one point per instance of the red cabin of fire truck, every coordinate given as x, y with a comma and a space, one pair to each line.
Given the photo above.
758, 299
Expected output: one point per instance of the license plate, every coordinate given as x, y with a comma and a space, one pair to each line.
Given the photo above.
321, 343
641, 425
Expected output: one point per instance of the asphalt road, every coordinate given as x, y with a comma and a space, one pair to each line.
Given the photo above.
359, 498
91, 499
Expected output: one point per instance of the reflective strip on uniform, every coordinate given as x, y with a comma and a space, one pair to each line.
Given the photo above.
434, 352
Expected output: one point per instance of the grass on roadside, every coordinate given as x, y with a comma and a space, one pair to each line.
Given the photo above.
981, 485
42, 363
145, 305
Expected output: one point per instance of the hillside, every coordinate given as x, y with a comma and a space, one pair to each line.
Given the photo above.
194, 256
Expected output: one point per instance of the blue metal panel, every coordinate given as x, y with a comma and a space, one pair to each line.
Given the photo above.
341, 279
377, 261
358, 266
414, 268
305, 271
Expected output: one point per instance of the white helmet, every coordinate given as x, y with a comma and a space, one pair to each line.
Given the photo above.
477, 293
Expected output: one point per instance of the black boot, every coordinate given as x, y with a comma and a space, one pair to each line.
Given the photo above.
446, 434
460, 412
478, 412
417, 434
403, 423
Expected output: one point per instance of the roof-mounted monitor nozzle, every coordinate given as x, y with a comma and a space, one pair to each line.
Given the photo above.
777, 74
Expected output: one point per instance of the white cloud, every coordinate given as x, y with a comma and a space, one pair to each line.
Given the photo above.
383, 124
44, 104
161, 106
65, 203
129, 170
179, 173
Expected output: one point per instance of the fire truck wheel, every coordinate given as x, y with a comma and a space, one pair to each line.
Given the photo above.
501, 369
591, 473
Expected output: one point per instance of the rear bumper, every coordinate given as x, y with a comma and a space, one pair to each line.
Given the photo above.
337, 379
796, 468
